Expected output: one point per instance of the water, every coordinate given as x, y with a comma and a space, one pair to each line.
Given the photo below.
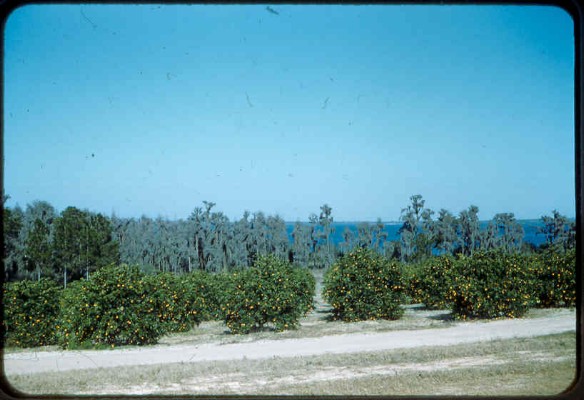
530, 228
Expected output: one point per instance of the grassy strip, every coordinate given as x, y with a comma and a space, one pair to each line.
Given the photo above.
513, 379
527, 366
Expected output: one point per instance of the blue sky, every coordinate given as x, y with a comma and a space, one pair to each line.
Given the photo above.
146, 109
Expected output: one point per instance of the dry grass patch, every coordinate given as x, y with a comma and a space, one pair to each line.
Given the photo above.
543, 365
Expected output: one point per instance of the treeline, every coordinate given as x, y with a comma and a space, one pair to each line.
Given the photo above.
40, 242
121, 305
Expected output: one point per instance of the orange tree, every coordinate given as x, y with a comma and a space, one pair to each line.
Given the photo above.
412, 278
490, 285
206, 290
179, 305
31, 309
554, 273
433, 280
114, 308
364, 285
271, 293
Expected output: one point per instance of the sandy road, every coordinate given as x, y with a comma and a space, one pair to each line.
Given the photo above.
468, 332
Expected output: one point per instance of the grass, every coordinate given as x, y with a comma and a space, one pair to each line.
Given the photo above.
508, 380
531, 366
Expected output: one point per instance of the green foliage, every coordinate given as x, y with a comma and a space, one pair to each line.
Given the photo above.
30, 312
83, 243
114, 308
178, 303
490, 285
469, 230
416, 236
558, 230
12, 223
411, 274
304, 285
272, 292
364, 285
38, 247
205, 293
432, 282
220, 287
554, 275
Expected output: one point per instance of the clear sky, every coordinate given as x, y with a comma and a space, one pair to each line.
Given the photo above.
146, 109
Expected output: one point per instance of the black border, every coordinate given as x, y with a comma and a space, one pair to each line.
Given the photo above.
576, 11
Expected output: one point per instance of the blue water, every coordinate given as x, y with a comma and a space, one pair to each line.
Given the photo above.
530, 228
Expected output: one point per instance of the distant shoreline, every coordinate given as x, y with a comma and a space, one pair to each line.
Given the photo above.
521, 221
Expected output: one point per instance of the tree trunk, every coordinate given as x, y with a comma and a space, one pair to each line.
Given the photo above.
202, 261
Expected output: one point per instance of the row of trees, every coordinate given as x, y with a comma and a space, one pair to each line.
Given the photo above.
40, 242
421, 236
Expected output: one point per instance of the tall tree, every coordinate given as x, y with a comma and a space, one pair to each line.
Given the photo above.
380, 235
469, 230
39, 210
316, 254
220, 242
489, 237
364, 235
372, 235
259, 231
69, 242
38, 251
12, 221
277, 236
349, 241
425, 238
101, 247
243, 241
325, 220
83, 242
416, 229
196, 220
559, 231
302, 243
510, 232
39, 217
444, 232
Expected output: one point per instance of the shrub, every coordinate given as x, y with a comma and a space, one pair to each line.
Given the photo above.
179, 305
206, 290
114, 308
31, 309
434, 280
271, 292
554, 275
364, 285
490, 285
411, 277
304, 286
225, 283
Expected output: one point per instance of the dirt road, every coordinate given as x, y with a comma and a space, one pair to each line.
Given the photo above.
468, 332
